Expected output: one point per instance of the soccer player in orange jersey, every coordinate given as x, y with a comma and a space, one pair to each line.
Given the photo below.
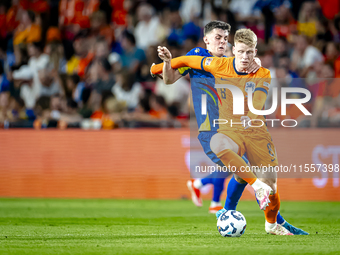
216, 34
232, 141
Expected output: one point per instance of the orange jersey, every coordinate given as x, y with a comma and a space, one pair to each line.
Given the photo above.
225, 73
255, 141
29, 35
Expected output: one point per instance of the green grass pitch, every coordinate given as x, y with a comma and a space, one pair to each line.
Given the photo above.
59, 226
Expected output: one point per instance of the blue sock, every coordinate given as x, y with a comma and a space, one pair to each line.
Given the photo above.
218, 188
207, 180
279, 218
217, 179
234, 193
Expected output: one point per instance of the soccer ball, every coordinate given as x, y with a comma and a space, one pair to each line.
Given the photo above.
231, 224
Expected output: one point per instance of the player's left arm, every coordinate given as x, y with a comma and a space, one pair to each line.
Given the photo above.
195, 62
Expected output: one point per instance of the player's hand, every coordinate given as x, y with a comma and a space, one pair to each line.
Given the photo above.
254, 66
246, 121
154, 75
164, 54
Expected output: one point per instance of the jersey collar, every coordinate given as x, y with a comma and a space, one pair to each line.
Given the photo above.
239, 73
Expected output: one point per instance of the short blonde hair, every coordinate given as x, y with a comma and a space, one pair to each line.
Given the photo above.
245, 36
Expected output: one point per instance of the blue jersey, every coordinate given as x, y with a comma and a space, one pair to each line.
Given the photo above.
203, 82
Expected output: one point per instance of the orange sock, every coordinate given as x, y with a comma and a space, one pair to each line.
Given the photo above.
230, 158
273, 207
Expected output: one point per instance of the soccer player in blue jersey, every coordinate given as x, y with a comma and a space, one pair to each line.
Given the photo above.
216, 38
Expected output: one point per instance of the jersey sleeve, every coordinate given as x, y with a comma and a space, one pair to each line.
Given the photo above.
212, 64
194, 62
193, 52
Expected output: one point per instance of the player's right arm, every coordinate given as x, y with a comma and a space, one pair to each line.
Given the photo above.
170, 75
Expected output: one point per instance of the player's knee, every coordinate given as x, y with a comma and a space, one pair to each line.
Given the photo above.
239, 179
220, 142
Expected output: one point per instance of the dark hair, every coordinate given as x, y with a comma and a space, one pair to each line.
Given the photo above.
1, 69
105, 64
160, 100
56, 95
20, 101
128, 79
284, 55
282, 38
38, 45
173, 109
84, 33
43, 103
129, 36
31, 15
71, 103
144, 102
330, 65
173, 43
68, 49
74, 78
337, 23
193, 38
174, 6
216, 24
106, 94
101, 39
85, 95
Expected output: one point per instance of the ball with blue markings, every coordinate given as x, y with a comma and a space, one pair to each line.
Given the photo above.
231, 224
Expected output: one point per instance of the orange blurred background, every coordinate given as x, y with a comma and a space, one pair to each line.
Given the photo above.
143, 163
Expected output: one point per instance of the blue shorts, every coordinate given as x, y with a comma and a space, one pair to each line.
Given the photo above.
204, 138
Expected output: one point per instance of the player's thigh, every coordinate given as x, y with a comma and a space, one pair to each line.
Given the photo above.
204, 138
231, 140
225, 140
261, 150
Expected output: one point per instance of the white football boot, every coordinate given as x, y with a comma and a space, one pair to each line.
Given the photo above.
278, 230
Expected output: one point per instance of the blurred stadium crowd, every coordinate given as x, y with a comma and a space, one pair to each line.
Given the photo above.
86, 63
